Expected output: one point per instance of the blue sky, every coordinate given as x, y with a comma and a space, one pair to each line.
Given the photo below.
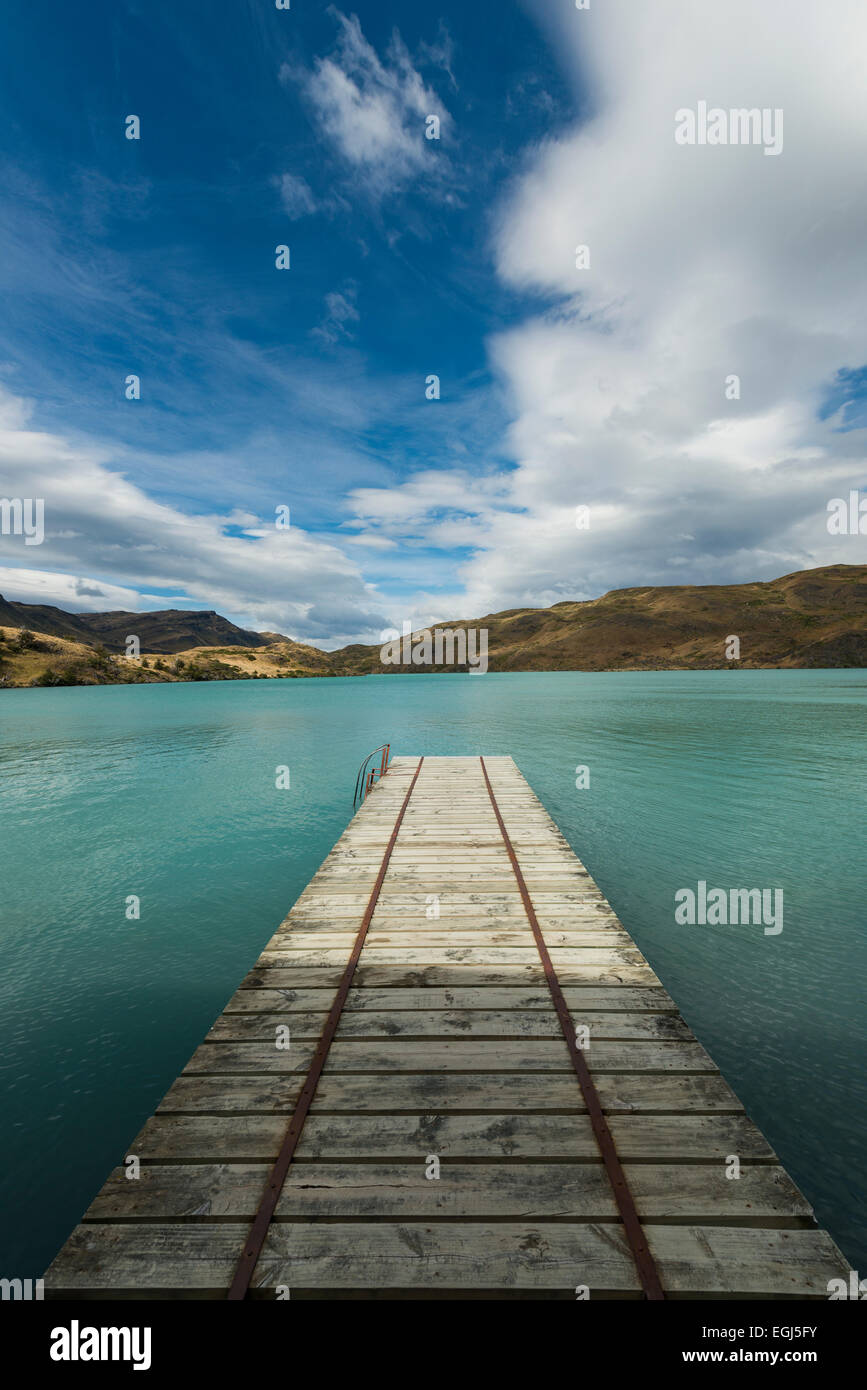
409, 257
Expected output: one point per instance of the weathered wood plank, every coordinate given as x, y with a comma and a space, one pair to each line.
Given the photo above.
199, 1138
458, 1055
373, 975
693, 1259
318, 1000
607, 930
444, 955
408, 1023
416, 936
560, 1191
449, 1091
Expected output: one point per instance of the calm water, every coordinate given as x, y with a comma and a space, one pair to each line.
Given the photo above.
753, 779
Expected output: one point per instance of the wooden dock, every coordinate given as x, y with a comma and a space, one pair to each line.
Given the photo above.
449, 1055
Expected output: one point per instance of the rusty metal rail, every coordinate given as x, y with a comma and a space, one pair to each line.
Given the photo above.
277, 1177
644, 1261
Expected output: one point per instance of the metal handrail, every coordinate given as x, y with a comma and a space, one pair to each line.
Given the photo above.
364, 783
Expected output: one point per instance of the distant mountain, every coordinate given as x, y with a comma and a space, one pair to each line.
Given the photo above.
813, 618
168, 630
39, 617
165, 631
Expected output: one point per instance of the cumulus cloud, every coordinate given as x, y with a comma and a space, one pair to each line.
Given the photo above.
704, 263
110, 545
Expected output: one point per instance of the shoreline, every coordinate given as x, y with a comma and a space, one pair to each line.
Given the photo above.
392, 671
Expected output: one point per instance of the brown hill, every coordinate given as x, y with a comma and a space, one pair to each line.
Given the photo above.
28, 658
279, 658
810, 618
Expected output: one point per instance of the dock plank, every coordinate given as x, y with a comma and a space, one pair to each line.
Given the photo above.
552, 1191
189, 1260
170, 1138
673, 1093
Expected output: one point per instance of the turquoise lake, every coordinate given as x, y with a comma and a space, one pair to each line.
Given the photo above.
739, 778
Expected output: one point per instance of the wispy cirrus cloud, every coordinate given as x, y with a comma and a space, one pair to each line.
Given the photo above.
341, 312
296, 196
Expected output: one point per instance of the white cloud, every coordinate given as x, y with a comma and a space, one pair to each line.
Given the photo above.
69, 591
428, 493
296, 196
105, 538
371, 541
374, 111
704, 262
341, 311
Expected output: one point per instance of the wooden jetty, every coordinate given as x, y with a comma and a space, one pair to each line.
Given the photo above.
443, 987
